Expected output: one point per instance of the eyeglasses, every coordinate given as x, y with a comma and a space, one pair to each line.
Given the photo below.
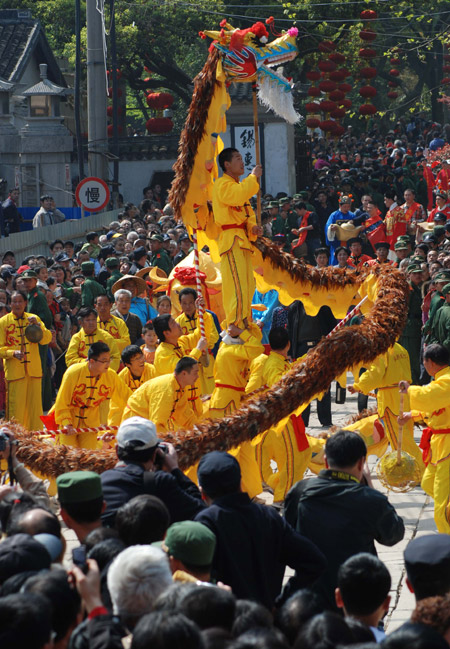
96, 360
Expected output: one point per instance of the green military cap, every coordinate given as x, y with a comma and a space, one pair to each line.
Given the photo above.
157, 237
29, 273
412, 165
191, 542
416, 259
87, 266
297, 197
284, 200
303, 194
112, 262
78, 487
374, 181
404, 237
273, 204
401, 245
446, 289
438, 230
442, 276
414, 268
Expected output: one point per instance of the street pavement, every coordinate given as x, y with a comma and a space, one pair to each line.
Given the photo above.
415, 507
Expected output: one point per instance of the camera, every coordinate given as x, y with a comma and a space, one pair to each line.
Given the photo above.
159, 457
4, 441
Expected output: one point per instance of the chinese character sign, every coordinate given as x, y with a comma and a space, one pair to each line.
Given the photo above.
243, 138
92, 194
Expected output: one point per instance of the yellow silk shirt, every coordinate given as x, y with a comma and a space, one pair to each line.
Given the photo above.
12, 338
79, 346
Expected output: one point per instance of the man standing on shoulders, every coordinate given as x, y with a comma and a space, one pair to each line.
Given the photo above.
236, 220
339, 513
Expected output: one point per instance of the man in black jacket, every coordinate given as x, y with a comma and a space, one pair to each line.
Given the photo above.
147, 466
254, 544
339, 513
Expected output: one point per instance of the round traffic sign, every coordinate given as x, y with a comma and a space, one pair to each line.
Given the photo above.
92, 194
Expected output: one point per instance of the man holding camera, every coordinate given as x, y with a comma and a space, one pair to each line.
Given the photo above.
147, 466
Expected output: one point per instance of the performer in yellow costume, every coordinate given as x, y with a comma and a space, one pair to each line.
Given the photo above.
172, 347
384, 374
115, 326
431, 403
238, 348
22, 363
135, 373
88, 334
237, 224
289, 446
165, 399
84, 388
188, 321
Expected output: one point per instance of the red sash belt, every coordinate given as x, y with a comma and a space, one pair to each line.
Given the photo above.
232, 226
230, 387
299, 432
425, 442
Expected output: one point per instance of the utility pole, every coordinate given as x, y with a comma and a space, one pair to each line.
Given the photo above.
115, 181
96, 91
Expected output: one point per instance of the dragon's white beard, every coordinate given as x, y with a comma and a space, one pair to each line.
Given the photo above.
277, 99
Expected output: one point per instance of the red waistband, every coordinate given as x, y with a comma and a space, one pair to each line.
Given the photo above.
231, 387
425, 442
232, 226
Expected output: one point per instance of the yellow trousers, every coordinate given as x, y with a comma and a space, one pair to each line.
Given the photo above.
24, 402
206, 376
82, 440
281, 447
251, 479
238, 284
436, 483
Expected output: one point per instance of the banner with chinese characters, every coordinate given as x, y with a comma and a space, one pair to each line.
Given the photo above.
243, 139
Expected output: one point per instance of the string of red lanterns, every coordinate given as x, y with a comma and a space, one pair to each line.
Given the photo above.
367, 72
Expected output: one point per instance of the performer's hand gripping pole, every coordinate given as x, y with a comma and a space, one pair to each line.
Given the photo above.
204, 358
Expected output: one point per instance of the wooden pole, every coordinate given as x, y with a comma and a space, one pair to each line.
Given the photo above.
400, 430
257, 150
204, 358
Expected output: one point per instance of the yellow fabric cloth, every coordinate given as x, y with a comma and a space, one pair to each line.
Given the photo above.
238, 285
78, 348
384, 374
12, 338
189, 326
115, 410
231, 369
79, 398
436, 483
163, 402
255, 380
24, 402
117, 328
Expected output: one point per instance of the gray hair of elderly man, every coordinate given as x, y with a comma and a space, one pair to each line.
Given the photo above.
122, 292
136, 578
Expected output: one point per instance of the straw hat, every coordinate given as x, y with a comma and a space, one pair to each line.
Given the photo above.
146, 271
141, 283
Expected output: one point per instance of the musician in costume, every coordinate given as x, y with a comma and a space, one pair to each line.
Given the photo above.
442, 206
382, 252
413, 212
374, 227
89, 333
237, 350
443, 177
331, 227
165, 400
189, 323
430, 403
85, 387
237, 223
22, 363
115, 326
384, 375
394, 220
356, 258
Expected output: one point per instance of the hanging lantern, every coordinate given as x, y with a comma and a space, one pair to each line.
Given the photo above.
345, 87
313, 75
313, 92
109, 111
394, 61
159, 125
394, 72
327, 125
392, 94
312, 107
337, 75
326, 106
327, 46
346, 72
368, 14
337, 57
393, 84
367, 53
338, 113
367, 109
326, 66
118, 72
312, 122
337, 95
159, 100
446, 68
338, 130
110, 130
345, 103
368, 73
110, 92
367, 35
367, 92
445, 81
327, 86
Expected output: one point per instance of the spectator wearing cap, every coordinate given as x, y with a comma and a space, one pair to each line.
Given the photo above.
440, 330
430, 403
331, 227
80, 495
441, 206
147, 466
159, 256
401, 252
112, 265
411, 335
139, 260
254, 544
90, 287
185, 248
437, 301
9, 258
427, 563
47, 215
190, 547
86, 387
22, 553
12, 218
356, 258
382, 252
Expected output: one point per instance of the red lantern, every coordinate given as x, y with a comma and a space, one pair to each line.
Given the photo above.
345, 103
393, 84
327, 86
368, 14
394, 61
392, 94
367, 35
312, 122
159, 125
445, 81
326, 66
313, 75
394, 72
111, 130
327, 46
314, 92
110, 92
367, 109
338, 113
338, 130
109, 111
159, 100
312, 107
327, 106
118, 72
346, 72
337, 95
367, 53
337, 75
147, 79
345, 87
368, 73
367, 91
336, 57
327, 125
446, 68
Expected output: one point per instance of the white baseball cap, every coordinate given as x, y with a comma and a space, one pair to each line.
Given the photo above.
137, 433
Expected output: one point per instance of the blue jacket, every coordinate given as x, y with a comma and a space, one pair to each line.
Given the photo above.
143, 310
